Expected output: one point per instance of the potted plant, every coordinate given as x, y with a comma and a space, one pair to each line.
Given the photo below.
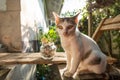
48, 48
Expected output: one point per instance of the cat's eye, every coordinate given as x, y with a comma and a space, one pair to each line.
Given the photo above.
69, 27
60, 27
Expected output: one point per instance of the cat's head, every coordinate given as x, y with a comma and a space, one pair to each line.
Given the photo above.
66, 26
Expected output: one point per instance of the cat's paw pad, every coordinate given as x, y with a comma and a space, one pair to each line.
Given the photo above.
68, 74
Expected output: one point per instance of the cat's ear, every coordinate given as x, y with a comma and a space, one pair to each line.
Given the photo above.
76, 18
57, 19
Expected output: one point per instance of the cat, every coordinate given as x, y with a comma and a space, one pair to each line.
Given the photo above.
83, 53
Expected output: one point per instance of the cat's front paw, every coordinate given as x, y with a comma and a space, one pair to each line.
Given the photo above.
67, 74
65, 70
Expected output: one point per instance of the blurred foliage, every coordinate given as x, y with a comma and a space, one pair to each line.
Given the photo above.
51, 36
56, 38
106, 41
42, 71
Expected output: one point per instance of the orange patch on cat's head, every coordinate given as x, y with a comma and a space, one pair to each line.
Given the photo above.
76, 18
56, 18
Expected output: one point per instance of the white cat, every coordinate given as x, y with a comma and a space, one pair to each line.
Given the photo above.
83, 54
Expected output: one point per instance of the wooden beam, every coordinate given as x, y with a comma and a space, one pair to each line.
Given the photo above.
90, 19
53, 73
107, 21
35, 58
97, 32
113, 26
107, 24
3, 73
30, 58
112, 20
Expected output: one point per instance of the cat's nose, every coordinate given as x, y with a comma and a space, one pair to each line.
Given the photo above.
65, 33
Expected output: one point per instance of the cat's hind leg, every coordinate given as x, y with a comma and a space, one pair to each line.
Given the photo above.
97, 62
99, 68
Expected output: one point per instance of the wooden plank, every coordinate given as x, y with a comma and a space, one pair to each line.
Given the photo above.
30, 58
35, 58
111, 24
107, 24
54, 73
112, 20
111, 27
97, 32
107, 21
3, 73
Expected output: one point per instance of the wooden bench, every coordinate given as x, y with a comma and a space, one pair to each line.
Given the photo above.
35, 58
107, 24
30, 58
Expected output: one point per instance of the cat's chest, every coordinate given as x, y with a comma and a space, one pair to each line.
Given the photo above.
65, 43
69, 43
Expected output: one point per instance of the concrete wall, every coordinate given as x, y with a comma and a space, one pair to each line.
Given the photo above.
31, 17
2, 5
19, 22
10, 28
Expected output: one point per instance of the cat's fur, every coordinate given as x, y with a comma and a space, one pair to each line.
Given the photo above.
82, 52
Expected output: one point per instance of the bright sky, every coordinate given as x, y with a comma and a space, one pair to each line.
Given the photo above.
70, 5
